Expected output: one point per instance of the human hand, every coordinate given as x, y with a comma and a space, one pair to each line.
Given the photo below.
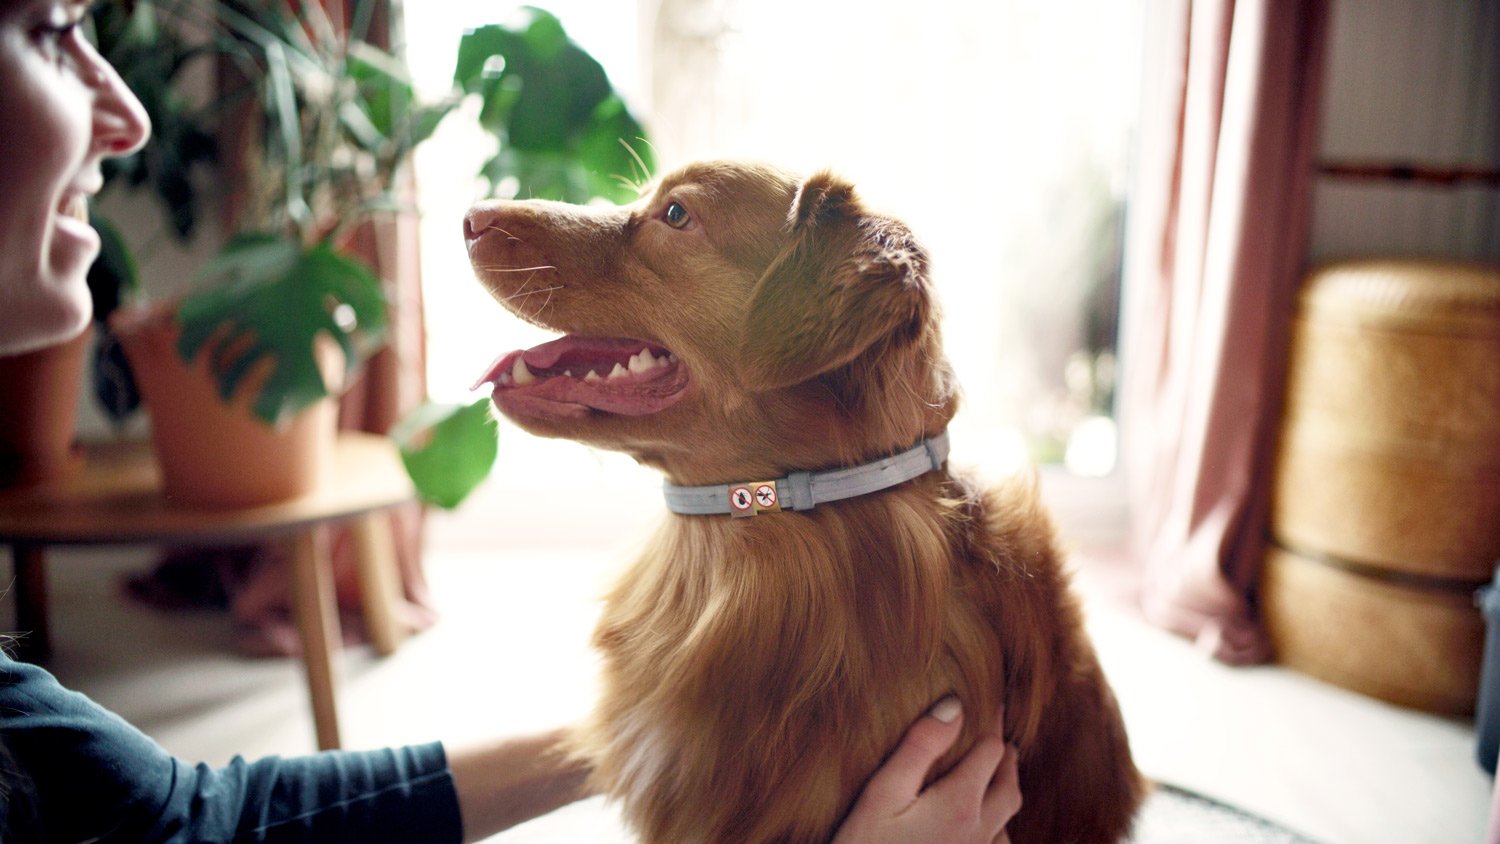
971, 804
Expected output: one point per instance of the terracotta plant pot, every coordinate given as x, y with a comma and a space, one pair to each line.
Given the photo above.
39, 411
213, 453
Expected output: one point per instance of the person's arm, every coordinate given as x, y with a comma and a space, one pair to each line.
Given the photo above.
507, 781
96, 778
971, 804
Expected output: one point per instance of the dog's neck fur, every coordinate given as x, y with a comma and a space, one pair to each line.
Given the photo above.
858, 587
869, 409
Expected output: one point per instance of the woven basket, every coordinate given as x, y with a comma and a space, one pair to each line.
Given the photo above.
1386, 503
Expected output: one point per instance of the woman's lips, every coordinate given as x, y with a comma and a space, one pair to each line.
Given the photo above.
73, 220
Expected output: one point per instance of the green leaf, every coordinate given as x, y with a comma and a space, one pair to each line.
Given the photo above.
540, 175
614, 152
557, 99
279, 299
253, 258
386, 94
476, 49
498, 98
544, 33
283, 111
564, 134
357, 123
448, 449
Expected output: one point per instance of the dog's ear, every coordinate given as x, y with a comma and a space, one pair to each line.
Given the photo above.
845, 282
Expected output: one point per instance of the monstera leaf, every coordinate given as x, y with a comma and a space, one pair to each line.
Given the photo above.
448, 449
279, 297
564, 133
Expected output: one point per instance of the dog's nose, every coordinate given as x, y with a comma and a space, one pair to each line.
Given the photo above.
479, 220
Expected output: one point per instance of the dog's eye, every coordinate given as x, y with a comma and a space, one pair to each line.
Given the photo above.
676, 215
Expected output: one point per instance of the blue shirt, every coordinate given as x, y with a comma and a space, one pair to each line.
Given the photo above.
96, 778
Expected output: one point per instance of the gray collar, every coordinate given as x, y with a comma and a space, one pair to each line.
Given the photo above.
805, 490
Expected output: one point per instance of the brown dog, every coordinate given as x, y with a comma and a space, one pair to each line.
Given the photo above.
736, 326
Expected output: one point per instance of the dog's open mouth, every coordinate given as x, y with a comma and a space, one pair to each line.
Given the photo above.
574, 375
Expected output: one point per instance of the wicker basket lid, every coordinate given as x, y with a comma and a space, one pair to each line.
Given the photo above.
1419, 295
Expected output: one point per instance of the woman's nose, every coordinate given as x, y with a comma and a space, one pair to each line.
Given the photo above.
121, 125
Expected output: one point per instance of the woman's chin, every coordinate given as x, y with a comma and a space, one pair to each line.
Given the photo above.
55, 305
55, 324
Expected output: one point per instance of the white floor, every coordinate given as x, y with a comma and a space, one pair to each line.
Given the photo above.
511, 655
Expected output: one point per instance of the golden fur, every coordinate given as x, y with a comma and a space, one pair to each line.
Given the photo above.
756, 671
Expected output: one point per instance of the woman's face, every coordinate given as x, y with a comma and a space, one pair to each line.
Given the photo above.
63, 110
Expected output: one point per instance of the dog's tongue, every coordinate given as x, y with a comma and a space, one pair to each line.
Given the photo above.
573, 374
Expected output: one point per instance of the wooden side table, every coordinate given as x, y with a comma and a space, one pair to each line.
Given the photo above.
115, 498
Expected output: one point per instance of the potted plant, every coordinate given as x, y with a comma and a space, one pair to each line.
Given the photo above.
249, 345
332, 119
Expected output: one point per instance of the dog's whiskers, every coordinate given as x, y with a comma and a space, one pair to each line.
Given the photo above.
496, 268
636, 184
519, 295
522, 293
494, 228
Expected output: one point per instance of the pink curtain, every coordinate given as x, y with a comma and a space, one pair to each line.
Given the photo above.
1217, 242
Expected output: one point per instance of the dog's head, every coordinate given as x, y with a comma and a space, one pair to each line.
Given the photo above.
734, 322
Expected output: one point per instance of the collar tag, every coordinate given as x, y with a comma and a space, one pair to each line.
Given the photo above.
754, 498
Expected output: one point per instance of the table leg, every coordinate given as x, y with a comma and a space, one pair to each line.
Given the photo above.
34, 640
317, 621
379, 583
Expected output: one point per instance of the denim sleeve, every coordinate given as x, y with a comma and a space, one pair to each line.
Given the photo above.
96, 778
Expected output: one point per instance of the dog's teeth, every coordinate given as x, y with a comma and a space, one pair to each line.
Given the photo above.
642, 362
505, 379
568, 373
521, 373
592, 376
618, 372
671, 358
